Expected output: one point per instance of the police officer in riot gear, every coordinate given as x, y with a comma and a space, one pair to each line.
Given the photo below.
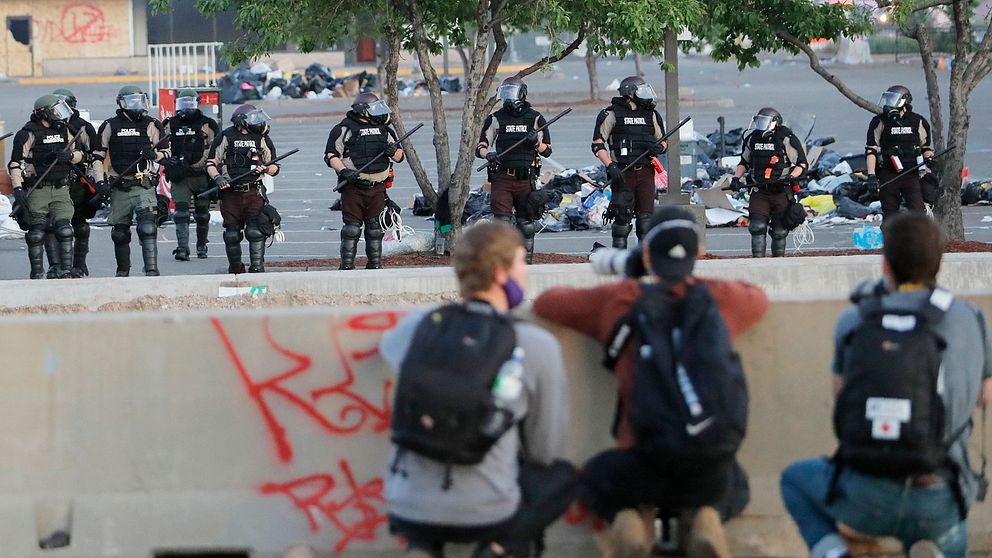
243, 147
773, 157
128, 137
45, 141
624, 130
513, 173
190, 134
359, 138
898, 138
80, 184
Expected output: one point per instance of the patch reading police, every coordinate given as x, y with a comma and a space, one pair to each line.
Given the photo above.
128, 133
53, 138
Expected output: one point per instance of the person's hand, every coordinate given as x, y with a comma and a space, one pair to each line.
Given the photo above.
736, 184
872, 183
347, 176
64, 156
149, 154
532, 138
222, 181
21, 197
656, 149
259, 170
615, 175
390, 150
102, 187
491, 157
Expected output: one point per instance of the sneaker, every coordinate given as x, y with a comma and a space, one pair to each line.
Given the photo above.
925, 549
181, 254
706, 537
629, 537
201, 251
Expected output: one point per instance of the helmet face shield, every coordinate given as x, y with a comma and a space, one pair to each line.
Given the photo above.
60, 111
892, 100
134, 102
378, 108
509, 92
187, 104
763, 123
645, 92
256, 117
71, 101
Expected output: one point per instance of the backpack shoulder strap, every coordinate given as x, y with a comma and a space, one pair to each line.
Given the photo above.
624, 329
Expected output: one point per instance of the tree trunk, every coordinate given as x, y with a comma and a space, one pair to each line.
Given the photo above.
593, 73
925, 41
948, 208
389, 62
461, 54
637, 65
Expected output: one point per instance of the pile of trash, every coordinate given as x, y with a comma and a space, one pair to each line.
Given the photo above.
245, 84
9, 228
977, 192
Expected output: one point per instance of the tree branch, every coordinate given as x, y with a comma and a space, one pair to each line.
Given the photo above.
925, 43
814, 63
978, 68
553, 58
920, 7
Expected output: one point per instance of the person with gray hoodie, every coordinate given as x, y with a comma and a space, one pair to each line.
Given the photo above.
480, 413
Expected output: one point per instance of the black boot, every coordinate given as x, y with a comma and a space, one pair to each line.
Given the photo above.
52, 250
202, 231
149, 254
758, 243
65, 254
256, 256
529, 247
641, 226
182, 241
79, 251
349, 245
232, 245
778, 246
373, 246
121, 235
620, 233
36, 253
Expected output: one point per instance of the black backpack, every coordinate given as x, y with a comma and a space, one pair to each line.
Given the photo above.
889, 416
444, 394
690, 402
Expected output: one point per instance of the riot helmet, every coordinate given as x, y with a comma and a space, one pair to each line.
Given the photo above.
66, 95
132, 101
513, 93
894, 100
372, 107
766, 120
639, 91
251, 118
52, 109
187, 103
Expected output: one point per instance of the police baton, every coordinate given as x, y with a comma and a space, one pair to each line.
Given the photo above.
53, 163
514, 146
916, 167
663, 138
5, 136
211, 191
381, 153
136, 162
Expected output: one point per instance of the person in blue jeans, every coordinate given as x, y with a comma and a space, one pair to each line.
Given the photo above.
925, 512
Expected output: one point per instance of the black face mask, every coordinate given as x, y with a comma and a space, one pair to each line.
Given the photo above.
516, 107
188, 114
382, 119
57, 125
645, 104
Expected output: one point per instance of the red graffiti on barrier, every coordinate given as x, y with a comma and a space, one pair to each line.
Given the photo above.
83, 22
356, 412
355, 510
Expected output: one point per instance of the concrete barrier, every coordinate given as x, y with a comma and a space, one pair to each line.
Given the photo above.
252, 431
823, 276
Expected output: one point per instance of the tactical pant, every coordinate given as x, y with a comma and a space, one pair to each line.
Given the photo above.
184, 197
240, 211
362, 205
81, 196
906, 189
766, 208
49, 204
546, 492
509, 194
134, 201
639, 181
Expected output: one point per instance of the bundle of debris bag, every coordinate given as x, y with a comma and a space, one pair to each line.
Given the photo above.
245, 84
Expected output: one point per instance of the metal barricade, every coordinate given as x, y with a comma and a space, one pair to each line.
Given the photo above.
181, 65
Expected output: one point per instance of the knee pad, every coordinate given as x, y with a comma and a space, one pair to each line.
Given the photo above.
374, 231
757, 227
63, 230
146, 228
252, 233
182, 213
202, 214
351, 231
81, 230
35, 235
527, 228
120, 234
621, 230
779, 232
232, 236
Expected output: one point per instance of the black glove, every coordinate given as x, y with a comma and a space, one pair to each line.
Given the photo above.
615, 175
149, 154
491, 157
21, 197
391, 149
736, 184
222, 181
656, 149
347, 176
102, 187
872, 183
532, 138
64, 156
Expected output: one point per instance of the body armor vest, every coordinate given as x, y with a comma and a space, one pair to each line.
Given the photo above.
512, 129
47, 143
127, 139
244, 152
633, 133
367, 139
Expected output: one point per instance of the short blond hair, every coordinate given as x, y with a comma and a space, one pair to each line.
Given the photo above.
481, 250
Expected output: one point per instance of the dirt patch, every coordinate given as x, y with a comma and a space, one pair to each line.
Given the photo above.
414, 260
155, 303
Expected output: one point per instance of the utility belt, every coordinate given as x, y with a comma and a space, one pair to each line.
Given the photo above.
130, 182
48, 183
244, 187
525, 173
367, 184
772, 187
